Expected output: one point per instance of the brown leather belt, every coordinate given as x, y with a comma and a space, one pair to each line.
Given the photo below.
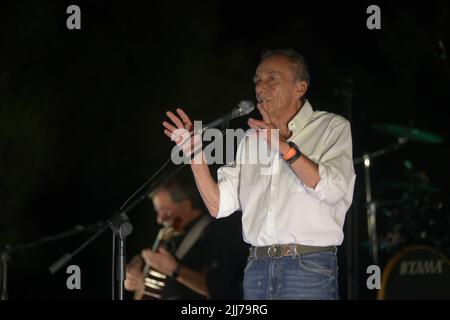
284, 250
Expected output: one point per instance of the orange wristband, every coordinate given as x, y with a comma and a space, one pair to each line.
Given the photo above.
289, 154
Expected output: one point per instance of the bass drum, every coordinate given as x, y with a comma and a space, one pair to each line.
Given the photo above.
416, 272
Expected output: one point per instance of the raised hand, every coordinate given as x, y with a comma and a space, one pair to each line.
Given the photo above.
267, 129
180, 130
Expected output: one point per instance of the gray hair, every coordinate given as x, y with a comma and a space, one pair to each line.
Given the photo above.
179, 191
300, 68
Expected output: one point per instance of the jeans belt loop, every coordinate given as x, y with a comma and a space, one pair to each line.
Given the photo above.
294, 252
253, 252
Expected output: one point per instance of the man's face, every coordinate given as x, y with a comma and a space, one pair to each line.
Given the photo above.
166, 209
275, 85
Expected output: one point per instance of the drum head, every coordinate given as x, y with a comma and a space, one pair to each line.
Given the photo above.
416, 272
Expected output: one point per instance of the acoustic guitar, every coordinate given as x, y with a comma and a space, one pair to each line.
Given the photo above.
154, 281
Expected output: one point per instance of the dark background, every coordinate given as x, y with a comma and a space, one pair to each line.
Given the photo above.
81, 110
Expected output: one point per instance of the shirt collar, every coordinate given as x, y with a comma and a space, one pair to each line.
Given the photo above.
301, 118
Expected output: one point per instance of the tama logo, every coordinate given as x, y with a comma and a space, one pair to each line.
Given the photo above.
413, 267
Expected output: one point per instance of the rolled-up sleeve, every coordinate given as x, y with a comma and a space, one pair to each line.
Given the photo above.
335, 164
228, 181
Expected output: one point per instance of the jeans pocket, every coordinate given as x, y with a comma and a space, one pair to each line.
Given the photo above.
320, 262
250, 262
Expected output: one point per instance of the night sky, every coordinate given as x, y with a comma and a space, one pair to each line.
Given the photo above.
81, 110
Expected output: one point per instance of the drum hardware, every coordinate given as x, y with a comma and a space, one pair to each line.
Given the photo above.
403, 135
371, 206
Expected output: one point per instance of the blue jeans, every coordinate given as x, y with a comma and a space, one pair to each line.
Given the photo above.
310, 276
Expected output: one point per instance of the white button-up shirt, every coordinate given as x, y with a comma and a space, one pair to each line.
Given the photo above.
277, 207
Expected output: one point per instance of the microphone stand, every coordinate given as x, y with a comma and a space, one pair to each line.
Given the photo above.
121, 227
5, 256
5, 253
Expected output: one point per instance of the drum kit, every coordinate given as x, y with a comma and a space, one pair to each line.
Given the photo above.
408, 236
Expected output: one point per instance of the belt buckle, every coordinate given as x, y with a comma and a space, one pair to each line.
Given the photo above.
275, 251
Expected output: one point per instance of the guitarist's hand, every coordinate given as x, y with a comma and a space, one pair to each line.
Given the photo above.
161, 260
134, 281
134, 277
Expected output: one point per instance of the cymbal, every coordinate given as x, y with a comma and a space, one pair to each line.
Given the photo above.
407, 185
408, 133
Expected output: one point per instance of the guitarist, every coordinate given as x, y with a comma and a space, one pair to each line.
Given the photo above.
185, 275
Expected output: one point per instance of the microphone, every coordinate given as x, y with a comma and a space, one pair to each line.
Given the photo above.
242, 109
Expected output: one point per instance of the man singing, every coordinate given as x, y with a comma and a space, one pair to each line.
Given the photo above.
292, 216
